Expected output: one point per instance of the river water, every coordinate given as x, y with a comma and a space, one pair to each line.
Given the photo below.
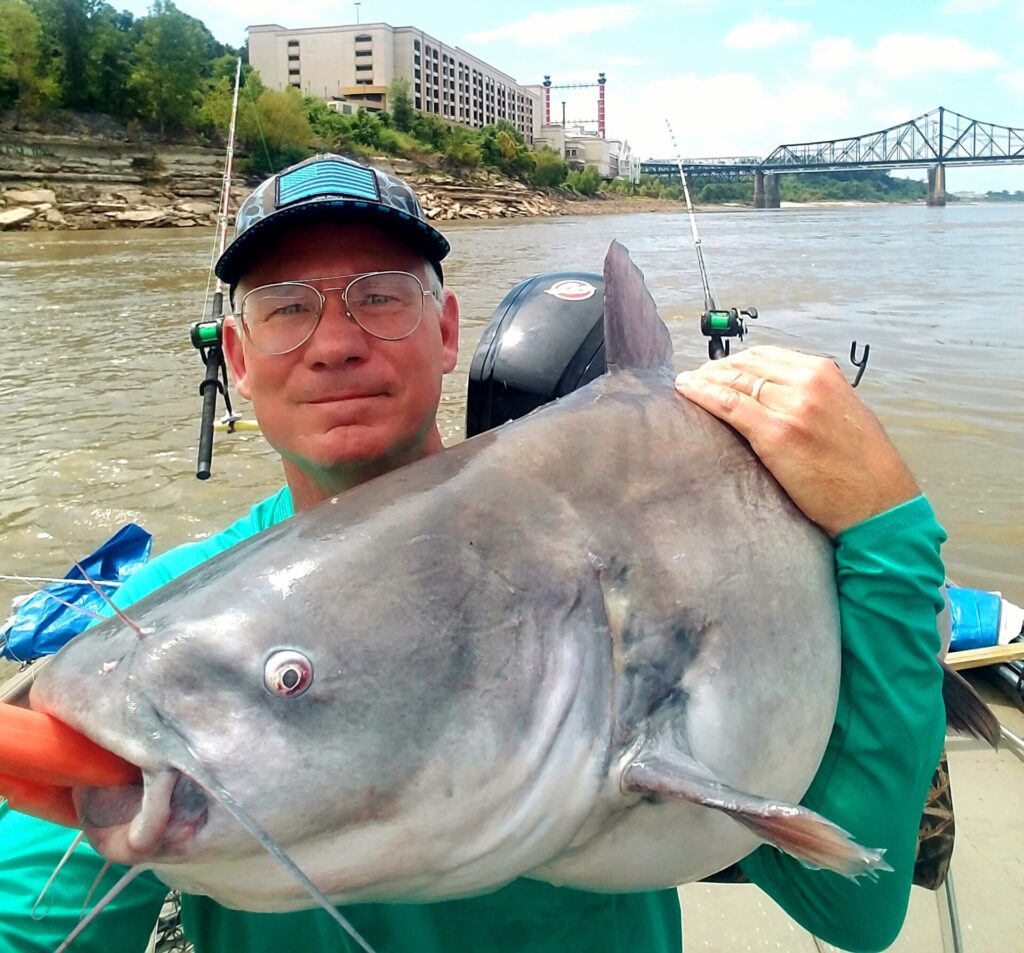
99, 383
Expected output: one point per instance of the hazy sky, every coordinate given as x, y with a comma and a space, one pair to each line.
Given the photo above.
732, 77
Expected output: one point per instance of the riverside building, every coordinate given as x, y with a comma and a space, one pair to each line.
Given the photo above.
354, 66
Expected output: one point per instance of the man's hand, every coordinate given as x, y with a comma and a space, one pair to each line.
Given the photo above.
815, 435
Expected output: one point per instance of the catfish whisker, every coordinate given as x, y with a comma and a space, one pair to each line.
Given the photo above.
213, 787
67, 605
110, 895
109, 583
92, 889
49, 883
134, 626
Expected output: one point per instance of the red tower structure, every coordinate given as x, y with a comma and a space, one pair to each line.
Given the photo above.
601, 80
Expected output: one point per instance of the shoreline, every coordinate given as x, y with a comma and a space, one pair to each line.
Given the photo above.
53, 183
51, 207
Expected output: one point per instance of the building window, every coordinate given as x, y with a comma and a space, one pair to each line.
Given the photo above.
364, 82
364, 38
363, 67
293, 42
419, 102
415, 44
364, 52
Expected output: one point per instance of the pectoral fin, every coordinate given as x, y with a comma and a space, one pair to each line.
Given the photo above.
809, 837
966, 711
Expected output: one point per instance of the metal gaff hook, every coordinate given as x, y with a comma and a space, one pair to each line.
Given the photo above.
862, 364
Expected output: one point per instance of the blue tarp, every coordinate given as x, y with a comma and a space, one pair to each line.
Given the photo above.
975, 616
42, 625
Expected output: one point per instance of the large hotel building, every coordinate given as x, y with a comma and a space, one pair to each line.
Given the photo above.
353, 66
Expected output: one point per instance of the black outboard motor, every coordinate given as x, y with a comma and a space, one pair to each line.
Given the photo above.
543, 341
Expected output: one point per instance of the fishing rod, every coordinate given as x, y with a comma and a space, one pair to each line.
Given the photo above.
717, 324
208, 335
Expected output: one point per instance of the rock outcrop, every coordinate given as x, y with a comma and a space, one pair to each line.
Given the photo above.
63, 182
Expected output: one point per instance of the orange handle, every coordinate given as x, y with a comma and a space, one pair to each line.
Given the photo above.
47, 801
37, 747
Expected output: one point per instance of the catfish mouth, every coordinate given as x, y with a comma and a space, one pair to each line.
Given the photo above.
156, 819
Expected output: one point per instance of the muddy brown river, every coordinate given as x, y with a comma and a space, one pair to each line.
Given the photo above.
99, 383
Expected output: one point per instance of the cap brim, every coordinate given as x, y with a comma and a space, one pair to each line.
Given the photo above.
419, 234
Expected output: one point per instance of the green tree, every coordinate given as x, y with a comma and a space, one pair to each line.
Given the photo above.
463, 149
272, 127
170, 57
550, 170
214, 111
277, 132
585, 181
110, 63
402, 112
503, 147
432, 131
28, 86
67, 35
87, 45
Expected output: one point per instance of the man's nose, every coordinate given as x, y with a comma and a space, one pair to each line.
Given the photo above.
337, 338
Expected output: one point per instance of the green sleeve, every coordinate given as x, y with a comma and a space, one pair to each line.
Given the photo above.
888, 733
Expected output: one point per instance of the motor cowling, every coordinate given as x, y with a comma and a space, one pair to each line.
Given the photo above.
543, 341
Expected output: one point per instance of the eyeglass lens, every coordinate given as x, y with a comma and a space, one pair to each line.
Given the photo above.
279, 318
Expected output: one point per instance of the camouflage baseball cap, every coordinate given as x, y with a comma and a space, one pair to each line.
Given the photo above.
328, 188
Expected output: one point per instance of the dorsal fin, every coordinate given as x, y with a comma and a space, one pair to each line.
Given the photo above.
634, 335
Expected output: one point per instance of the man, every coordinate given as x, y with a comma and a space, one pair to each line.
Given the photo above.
343, 332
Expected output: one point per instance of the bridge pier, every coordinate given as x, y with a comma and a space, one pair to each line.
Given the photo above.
766, 189
758, 189
937, 185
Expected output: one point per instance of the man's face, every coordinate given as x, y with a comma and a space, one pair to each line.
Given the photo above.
345, 397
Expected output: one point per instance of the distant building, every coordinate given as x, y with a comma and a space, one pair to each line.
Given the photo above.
580, 148
353, 66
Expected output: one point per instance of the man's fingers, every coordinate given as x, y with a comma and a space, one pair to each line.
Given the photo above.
761, 389
727, 403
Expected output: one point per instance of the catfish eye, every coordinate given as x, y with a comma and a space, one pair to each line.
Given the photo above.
287, 673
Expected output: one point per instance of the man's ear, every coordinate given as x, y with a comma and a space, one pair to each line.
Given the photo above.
235, 355
449, 330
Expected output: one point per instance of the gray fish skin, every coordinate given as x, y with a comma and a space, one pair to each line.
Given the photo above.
496, 632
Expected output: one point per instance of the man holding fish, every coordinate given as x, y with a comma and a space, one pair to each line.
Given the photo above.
341, 335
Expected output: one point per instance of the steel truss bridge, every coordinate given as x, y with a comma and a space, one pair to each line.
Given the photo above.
937, 139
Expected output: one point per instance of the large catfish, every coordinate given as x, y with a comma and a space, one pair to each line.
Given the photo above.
598, 647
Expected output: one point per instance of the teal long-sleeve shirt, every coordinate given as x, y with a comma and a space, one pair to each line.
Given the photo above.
873, 781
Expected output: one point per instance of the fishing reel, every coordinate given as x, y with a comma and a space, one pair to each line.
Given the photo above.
717, 324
